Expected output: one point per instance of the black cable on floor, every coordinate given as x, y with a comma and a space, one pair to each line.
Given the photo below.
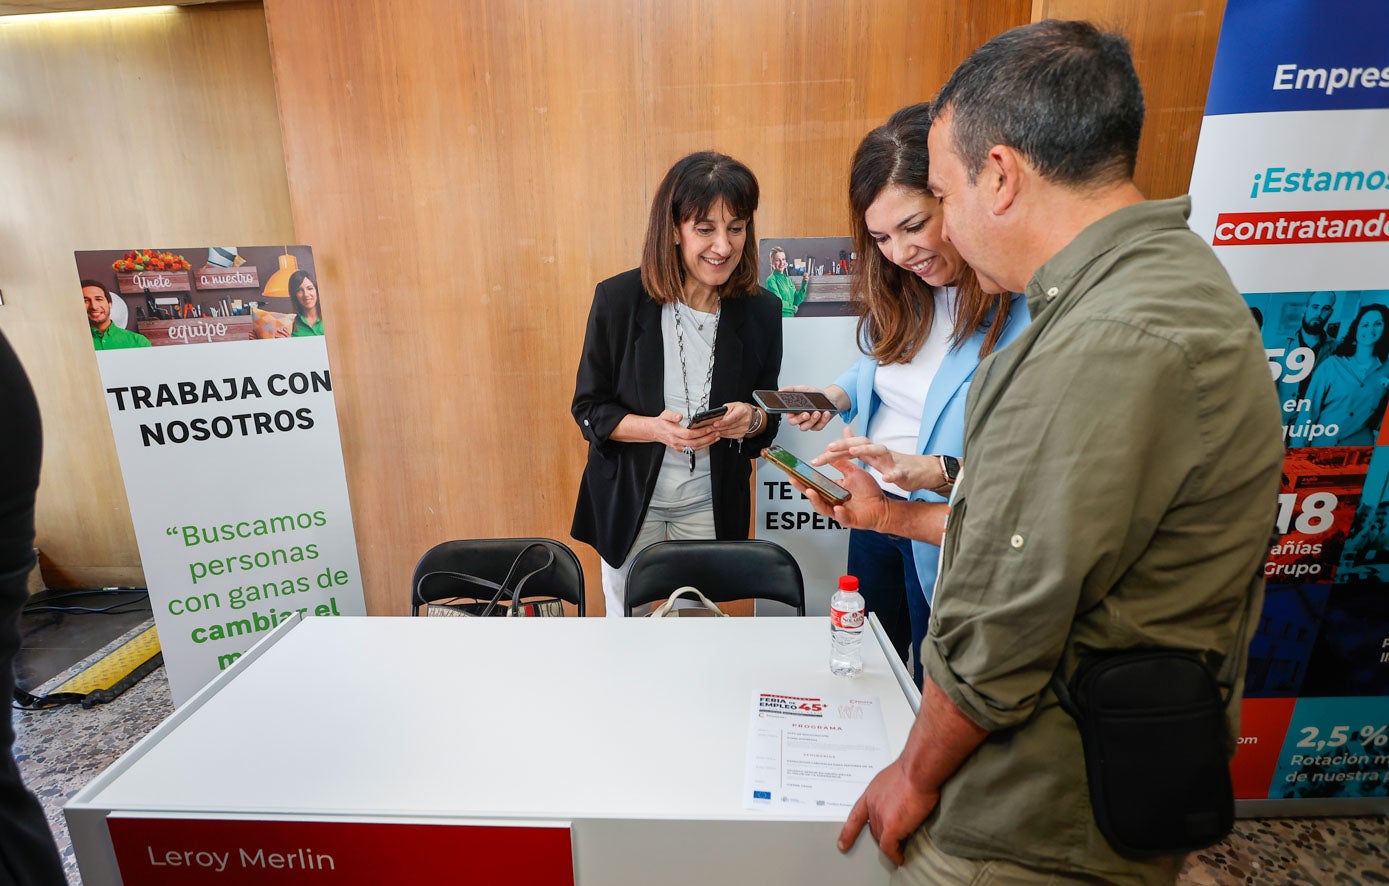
139, 602
25, 701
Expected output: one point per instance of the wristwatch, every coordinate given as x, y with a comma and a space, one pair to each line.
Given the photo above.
950, 467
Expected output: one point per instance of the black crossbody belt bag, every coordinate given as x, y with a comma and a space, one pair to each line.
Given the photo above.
1152, 722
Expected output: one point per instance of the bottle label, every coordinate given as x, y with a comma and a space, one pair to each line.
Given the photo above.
849, 620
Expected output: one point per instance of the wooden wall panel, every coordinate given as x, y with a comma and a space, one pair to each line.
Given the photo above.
1174, 51
144, 129
467, 171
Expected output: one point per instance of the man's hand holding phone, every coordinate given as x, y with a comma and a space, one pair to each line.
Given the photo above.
867, 509
909, 472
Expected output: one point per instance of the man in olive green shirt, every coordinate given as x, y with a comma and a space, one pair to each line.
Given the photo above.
107, 336
1121, 467
781, 286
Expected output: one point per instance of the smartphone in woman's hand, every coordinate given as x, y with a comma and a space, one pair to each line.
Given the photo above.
792, 402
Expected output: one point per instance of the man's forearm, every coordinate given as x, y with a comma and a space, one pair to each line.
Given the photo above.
920, 520
940, 740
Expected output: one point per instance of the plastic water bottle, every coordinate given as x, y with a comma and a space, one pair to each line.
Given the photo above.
846, 629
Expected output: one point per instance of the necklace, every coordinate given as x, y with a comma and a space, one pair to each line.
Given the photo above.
684, 374
700, 323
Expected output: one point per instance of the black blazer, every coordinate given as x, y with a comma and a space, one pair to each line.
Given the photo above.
622, 371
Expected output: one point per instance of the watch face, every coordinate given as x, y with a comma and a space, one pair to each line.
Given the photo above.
950, 465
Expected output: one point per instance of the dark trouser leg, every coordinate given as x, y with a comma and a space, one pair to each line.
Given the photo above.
876, 560
28, 855
917, 607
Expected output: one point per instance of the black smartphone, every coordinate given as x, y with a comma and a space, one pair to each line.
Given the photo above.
700, 419
791, 402
802, 471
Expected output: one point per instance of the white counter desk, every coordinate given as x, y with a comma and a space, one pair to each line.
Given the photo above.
366, 750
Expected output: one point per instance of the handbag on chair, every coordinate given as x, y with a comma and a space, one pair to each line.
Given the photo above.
707, 607
502, 599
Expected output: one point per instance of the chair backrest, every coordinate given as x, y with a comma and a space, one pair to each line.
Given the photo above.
490, 558
722, 570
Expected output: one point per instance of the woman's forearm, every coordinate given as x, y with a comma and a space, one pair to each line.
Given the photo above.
840, 397
634, 428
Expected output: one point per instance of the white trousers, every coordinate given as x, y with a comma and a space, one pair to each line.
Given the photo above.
658, 526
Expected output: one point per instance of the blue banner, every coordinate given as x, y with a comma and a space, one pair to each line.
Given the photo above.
1289, 55
1291, 188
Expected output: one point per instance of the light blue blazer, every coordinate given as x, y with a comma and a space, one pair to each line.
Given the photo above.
942, 417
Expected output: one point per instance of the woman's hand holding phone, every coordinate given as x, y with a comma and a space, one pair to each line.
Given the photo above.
736, 421
707, 417
668, 428
814, 421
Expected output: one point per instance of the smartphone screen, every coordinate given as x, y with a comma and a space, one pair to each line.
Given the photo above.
802, 470
794, 401
700, 419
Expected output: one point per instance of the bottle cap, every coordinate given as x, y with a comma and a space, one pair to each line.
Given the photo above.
848, 583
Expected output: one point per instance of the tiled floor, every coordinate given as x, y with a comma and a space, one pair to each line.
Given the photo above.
61, 749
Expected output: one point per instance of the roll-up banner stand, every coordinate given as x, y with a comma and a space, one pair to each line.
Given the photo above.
215, 373
1291, 188
817, 346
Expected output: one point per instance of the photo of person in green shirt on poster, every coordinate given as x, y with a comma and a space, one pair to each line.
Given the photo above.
107, 336
787, 264
308, 318
780, 285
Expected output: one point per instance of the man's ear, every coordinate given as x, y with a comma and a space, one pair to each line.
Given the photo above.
1003, 173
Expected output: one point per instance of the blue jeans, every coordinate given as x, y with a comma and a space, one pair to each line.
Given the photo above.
886, 573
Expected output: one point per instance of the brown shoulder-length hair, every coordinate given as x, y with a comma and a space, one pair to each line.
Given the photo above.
895, 307
690, 190
296, 280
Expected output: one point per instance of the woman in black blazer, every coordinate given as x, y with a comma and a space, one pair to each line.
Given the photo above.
688, 330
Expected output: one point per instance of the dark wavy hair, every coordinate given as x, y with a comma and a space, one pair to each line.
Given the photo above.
295, 281
689, 190
895, 307
1381, 348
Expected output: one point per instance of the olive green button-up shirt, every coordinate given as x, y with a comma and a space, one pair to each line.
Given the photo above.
1122, 466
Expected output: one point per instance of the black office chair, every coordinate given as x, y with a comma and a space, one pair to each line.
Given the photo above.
721, 570
491, 559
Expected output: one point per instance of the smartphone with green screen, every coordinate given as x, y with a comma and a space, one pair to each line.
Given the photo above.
801, 470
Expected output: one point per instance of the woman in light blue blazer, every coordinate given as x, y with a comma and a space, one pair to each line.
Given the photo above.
925, 322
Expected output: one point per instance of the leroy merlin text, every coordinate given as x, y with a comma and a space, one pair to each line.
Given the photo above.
305, 859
